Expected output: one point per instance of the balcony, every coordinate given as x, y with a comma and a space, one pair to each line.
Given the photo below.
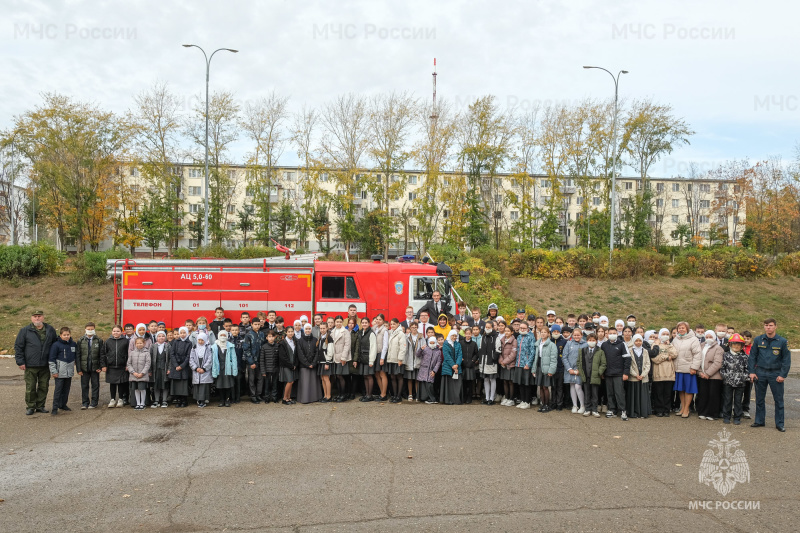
567, 189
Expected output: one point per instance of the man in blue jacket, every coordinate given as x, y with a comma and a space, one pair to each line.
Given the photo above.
769, 364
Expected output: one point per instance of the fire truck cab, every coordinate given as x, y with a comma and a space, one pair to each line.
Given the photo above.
175, 290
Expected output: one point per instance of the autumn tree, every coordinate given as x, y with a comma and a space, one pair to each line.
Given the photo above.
13, 190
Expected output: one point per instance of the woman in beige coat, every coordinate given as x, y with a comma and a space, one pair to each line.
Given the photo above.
341, 356
687, 363
662, 358
709, 386
395, 358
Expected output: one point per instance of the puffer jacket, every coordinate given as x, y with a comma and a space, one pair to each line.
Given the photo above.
469, 353
251, 346
139, 362
488, 355
179, 357
62, 358
663, 363
548, 354
431, 361
268, 358
207, 366
398, 344
87, 361
507, 348
570, 357
413, 344
115, 360
30, 350
689, 353
452, 357
734, 369
526, 349
306, 348
712, 361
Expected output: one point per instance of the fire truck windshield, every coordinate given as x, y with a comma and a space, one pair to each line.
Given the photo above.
425, 286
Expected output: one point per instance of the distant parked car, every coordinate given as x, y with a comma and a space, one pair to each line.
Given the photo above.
406, 258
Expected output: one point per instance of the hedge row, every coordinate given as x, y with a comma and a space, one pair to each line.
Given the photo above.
582, 262
29, 260
247, 252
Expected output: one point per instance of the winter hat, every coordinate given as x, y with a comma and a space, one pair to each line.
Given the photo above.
555, 327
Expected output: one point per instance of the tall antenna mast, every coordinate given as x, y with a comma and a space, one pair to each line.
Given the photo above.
435, 114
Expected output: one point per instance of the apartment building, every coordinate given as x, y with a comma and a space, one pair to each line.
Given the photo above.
676, 202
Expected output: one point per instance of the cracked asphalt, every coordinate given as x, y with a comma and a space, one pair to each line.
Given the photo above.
378, 467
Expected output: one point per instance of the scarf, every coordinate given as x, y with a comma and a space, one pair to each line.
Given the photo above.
222, 340
290, 342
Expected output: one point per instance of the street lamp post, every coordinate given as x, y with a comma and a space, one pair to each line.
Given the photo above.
613, 156
208, 67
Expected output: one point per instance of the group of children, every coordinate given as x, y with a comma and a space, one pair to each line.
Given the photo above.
621, 369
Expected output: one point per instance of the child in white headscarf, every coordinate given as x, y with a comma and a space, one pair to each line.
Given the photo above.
201, 363
224, 367
179, 367
160, 353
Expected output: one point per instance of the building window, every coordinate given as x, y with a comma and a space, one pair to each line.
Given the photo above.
675, 219
412, 196
545, 184
579, 200
288, 176
194, 208
231, 226
705, 187
394, 212
134, 172
412, 180
498, 199
597, 186
514, 215
595, 200
231, 209
676, 202
231, 173
195, 191
704, 219
676, 187
705, 204
660, 187
192, 243
659, 202
323, 176
395, 178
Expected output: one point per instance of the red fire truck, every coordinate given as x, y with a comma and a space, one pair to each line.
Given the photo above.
172, 290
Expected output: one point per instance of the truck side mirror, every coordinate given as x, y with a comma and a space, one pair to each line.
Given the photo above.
464, 276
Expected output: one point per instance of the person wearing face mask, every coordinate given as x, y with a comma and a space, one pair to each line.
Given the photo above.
557, 398
592, 370
224, 367
87, 363
618, 368
202, 327
179, 367
545, 362
734, 376
430, 356
637, 388
596, 318
687, 363
507, 349
487, 365
159, 368
709, 386
721, 332
662, 360
201, 363
574, 375
450, 393
630, 321
469, 360
523, 377
115, 362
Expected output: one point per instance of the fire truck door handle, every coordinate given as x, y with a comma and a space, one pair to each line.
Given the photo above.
197, 283
147, 283
244, 284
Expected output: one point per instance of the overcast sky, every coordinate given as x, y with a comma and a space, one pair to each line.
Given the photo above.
729, 68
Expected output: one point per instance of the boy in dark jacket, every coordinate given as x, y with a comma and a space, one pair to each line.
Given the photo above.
90, 351
251, 350
735, 376
268, 365
557, 399
62, 366
470, 359
618, 366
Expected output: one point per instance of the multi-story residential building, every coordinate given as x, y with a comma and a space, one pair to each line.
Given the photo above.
676, 203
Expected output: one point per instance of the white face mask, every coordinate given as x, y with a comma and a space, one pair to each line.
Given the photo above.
592, 344
720, 334
596, 320
665, 338
632, 323
612, 337
432, 344
89, 333
556, 335
488, 331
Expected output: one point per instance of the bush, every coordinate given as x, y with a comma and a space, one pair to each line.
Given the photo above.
447, 253
790, 264
91, 266
182, 253
486, 285
627, 263
255, 252
726, 263
29, 260
632, 263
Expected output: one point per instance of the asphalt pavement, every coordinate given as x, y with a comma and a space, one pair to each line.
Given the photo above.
381, 467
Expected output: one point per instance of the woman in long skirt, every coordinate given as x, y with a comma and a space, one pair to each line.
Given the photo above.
309, 389
451, 370
179, 367
470, 358
637, 388
662, 363
201, 363
287, 359
709, 382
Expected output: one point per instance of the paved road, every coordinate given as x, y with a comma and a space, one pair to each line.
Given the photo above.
373, 467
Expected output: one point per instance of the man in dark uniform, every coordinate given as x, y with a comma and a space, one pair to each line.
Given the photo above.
436, 306
32, 353
769, 364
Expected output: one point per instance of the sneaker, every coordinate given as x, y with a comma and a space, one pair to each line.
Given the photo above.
535, 401
701, 417
430, 402
524, 405
726, 420
746, 414
624, 416
500, 398
410, 398
112, 403
595, 414
709, 418
582, 410
509, 403
92, 406
586, 413
737, 422
84, 407
604, 408
154, 406
574, 409
164, 404
609, 414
